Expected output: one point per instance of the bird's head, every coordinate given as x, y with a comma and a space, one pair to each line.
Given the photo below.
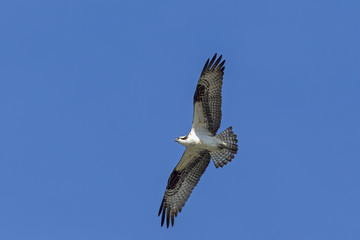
181, 140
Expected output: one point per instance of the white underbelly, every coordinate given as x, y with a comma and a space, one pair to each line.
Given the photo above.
204, 141
209, 143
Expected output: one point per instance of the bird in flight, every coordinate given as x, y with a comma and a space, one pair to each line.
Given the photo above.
202, 143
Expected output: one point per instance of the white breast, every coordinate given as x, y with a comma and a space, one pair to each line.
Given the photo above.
202, 139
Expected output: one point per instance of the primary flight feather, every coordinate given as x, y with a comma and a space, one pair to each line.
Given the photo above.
201, 143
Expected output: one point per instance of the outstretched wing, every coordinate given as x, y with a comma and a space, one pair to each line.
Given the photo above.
207, 97
181, 182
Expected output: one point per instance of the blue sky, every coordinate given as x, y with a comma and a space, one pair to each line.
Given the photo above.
93, 94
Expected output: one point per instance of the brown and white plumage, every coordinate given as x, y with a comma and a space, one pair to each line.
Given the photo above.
201, 143
181, 183
207, 97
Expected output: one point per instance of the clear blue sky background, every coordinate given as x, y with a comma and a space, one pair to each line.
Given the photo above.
93, 94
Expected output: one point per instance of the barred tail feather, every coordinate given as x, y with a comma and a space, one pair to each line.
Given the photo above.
227, 150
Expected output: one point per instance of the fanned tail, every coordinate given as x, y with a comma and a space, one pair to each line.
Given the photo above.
227, 150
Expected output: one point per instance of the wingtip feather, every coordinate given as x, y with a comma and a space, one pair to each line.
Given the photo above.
212, 60
216, 63
221, 65
161, 206
167, 218
163, 216
213, 64
205, 66
172, 219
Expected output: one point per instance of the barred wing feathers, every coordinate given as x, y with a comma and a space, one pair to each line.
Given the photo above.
207, 97
181, 182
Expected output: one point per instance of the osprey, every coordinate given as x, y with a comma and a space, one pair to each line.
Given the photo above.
201, 143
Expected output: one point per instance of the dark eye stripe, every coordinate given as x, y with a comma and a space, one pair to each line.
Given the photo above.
184, 138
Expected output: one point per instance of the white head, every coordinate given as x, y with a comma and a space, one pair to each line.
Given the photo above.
182, 140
